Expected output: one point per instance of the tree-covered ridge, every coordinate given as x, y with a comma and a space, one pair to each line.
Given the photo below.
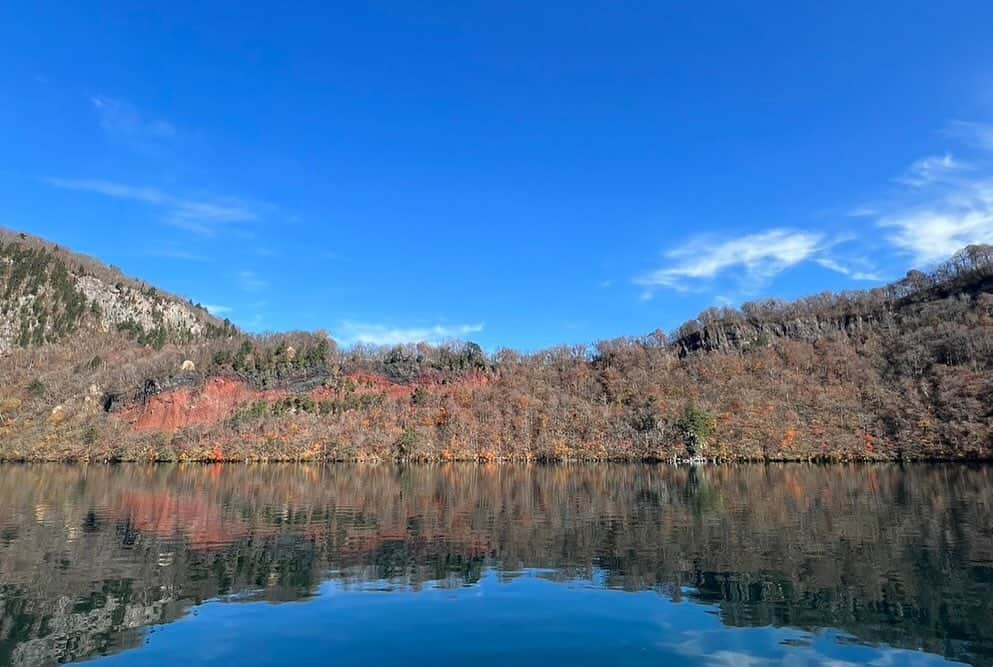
47, 294
896, 373
968, 274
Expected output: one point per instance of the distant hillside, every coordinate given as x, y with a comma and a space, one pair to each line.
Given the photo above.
100, 367
895, 308
48, 293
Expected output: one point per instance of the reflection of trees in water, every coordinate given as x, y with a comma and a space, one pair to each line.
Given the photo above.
88, 555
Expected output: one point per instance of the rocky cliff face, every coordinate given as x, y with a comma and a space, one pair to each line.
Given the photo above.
48, 293
145, 308
730, 334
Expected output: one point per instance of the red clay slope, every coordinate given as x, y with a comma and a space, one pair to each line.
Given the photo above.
211, 403
219, 398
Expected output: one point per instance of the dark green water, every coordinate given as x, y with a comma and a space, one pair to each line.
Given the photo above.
487, 565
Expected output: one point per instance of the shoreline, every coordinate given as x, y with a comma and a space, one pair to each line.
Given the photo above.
675, 462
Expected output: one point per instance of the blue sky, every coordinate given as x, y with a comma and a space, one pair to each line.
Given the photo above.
516, 173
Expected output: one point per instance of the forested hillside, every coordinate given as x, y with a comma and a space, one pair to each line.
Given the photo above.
48, 294
901, 372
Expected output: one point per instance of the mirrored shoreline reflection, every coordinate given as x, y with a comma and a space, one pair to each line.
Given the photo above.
621, 564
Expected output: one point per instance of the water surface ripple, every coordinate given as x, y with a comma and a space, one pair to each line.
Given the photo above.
451, 564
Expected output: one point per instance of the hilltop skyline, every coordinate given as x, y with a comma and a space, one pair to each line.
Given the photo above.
513, 175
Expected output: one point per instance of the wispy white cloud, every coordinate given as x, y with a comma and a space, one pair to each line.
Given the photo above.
382, 334
202, 217
931, 169
851, 271
121, 121
942, 203
217, 310
861, 212
198, 215
111, 189
941, 212
756, 258
249, 281
931, 234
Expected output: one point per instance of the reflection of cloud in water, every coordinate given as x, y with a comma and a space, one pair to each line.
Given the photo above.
90, 555
733, 659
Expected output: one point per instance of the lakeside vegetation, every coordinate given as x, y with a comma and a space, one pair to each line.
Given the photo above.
903, 372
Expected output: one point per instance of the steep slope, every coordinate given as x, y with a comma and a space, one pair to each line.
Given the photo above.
48, 294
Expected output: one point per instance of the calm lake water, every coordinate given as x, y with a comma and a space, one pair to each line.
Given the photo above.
496, 565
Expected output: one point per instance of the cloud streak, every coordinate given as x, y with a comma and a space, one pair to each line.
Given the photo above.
951, 204
249, 281
933, 233
382, 334
941, 204
846, 270
122, 122
931, 169
201, 216
218, 311
755, 257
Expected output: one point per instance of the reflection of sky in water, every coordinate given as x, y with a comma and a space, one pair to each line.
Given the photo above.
524, 621
496, 564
